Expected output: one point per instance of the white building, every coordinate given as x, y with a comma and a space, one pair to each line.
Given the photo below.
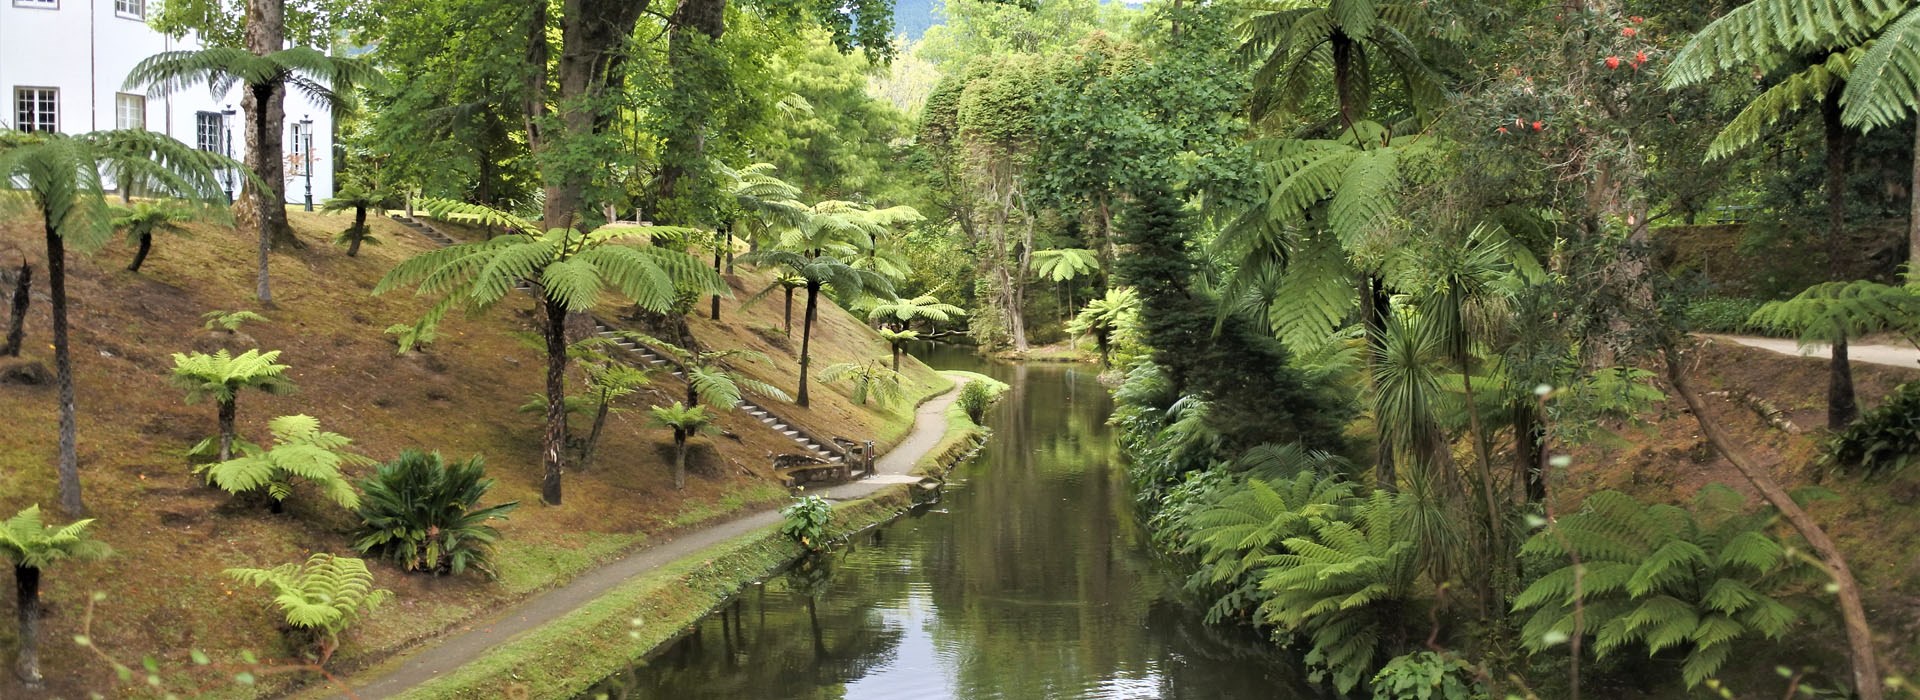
64, 65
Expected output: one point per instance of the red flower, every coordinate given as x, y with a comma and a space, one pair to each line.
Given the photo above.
1502, 130
1636, 19
1613, 62
1629, 31
1639, 57
1537, 126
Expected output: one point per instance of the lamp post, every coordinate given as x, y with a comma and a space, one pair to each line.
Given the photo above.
226, 125
306, 130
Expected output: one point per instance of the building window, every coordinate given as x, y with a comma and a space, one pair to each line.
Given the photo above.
131, 9
129, 111
206, 132
36, 109
302, 139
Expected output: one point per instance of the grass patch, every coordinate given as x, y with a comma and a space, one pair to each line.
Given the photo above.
961, 430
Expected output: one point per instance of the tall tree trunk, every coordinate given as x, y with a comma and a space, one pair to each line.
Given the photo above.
1841, 406
1839, 142
806, 340
359, 231
227, 411
553, 445
26, 586
140, 254
679, 458
787, 330
717, 252
593, 436
697, 26
63, 372
1913, 209
17, 320
262, 205
1853, 613
1529, 452
593, 34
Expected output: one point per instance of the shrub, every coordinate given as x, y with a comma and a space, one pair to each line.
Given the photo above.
301, 450
1424, 676
975, 398
1722, 314
1883, 439
421, 513
323, 597
805, 521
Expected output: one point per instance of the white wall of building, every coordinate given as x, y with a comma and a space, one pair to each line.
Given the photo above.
84, 50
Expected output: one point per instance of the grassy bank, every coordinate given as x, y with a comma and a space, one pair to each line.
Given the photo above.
962, 433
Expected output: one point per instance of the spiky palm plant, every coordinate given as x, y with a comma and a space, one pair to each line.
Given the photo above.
1833, 312
221, 377
300, 450
424, 514
1664, 577
32, 545
144, 219
572, 270
324, 596
685, 422
56, 178
329, 81
870, 379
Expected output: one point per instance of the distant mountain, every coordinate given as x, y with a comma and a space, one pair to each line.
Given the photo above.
914, 17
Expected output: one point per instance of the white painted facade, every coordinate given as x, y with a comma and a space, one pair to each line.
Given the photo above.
64, 64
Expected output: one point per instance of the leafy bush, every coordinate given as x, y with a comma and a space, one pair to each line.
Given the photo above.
301, 450
324, 597
1663, 577
1722, 314
1883, 439
975, 398
421, 513
1424, 676
805, 521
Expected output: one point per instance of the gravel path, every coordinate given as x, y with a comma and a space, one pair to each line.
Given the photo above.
1890, 355
476, 638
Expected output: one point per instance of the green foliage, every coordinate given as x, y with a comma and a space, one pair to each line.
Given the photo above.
143, 219
1425, 676
423, 514
1341, 587
326, 595
220, 377
683, 420
328, 80
805, 521
906, 311
870, 379
1830, 310
301, 450
1722, 314
1664, 577
1884, 439
408, 337
230, 321
27, 541
1064, 264
975, 398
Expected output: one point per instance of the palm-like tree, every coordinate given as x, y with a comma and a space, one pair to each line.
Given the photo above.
358, 195
608, 381
761, 202
221, 377
685, 422
325, 79
56, 178
1293, 44
821, 252
903, 312
144, 219
1105, 316
870, 380
31, 546
572, 271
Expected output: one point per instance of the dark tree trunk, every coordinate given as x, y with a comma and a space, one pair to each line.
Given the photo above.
679, 459
716, 268
806, 339
17, 321
697, 26
593, 34
1345, 91
896, 356
262, 206
26, 585
1839, 142
227, 412
552, 449
1841, 406
140, 254
593, 436
1529, 452
266, 131
787, 330
63, 371
359, 231
693, 397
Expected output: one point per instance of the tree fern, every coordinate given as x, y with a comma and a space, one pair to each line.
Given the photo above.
301, 450
1766, 33
327, 594
1337, 589
1663, 577
1829, 309
1064, 264
870, 379
1802, 89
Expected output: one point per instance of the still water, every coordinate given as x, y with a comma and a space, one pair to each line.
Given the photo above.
1029, 578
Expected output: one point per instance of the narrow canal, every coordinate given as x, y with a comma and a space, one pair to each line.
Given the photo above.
1029, 578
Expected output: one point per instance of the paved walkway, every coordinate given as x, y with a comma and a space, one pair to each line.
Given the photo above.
1890, 355
449, 653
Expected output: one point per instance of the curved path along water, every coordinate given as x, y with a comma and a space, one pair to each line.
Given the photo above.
452, 652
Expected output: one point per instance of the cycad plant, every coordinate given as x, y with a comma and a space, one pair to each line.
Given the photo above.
56, 179
144, 219
1832, 312
685, 422
327, 80
323, 597
221, 377
1663, 577
424, 514
572, 270
300, 450
871, 380
32, 545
